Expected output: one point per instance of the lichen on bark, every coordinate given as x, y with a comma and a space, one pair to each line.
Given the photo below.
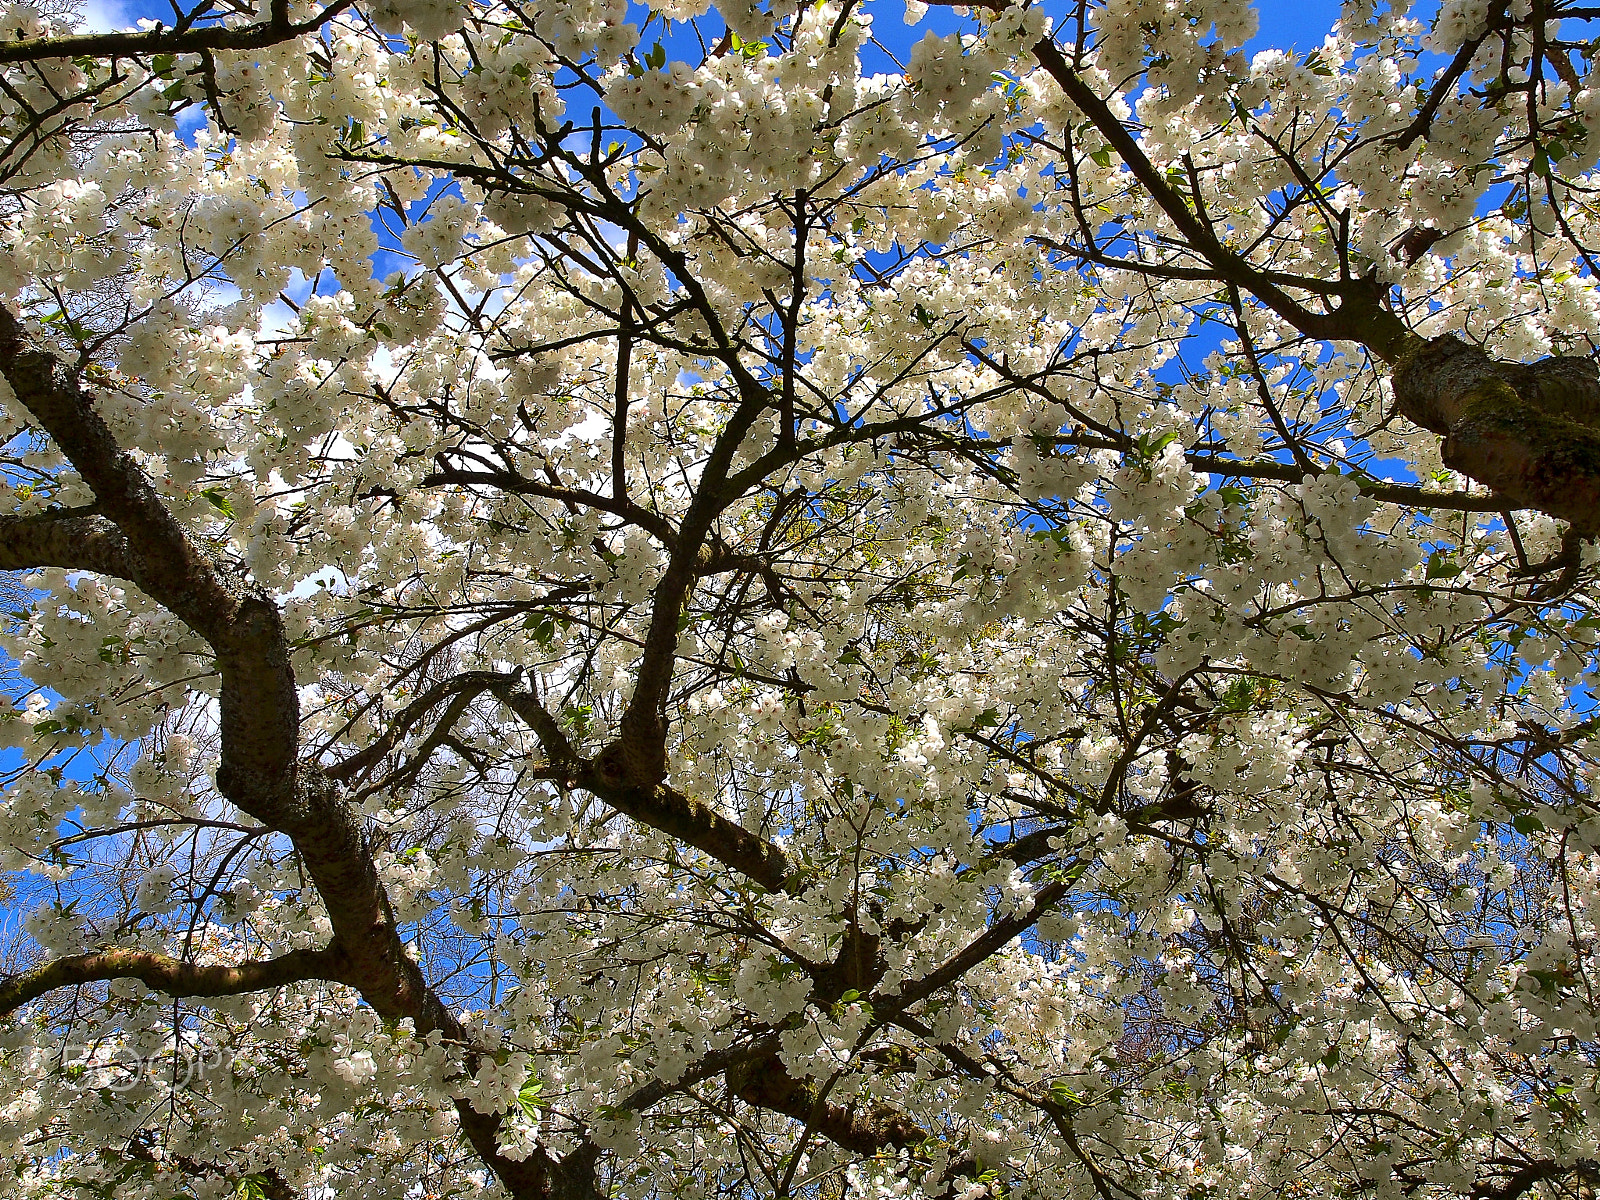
1528, 431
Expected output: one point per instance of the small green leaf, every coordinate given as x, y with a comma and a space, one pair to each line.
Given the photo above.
1064, 1095
528, 1098
988, 717
1442, 566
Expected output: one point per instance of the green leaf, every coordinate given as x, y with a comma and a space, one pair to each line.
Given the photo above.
219, 501
989, 716
528, 1098
1442, 566
1147, 447
1064, 1095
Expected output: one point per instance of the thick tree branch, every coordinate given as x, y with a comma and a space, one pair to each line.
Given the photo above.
695, 823
259, 707
982, 946
865, 1127
862, 1128
1445, 85
1195, 229
189, 40
468, 685
657, 805
1389, 493
76, 539
167, 975
655, 525
1522, 1179
1530, 432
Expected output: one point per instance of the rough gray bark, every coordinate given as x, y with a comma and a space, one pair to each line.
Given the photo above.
1530, 432
71, 539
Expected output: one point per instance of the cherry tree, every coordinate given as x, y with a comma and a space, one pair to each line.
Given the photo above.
681, 601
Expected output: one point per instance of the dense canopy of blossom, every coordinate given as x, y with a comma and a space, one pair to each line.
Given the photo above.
681, 601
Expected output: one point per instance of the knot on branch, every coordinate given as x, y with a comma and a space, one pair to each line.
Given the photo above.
860, 963
632, 762
765, 1083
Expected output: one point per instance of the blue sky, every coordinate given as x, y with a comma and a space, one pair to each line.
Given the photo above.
1282, 24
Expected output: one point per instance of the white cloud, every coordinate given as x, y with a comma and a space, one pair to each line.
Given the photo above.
105, 16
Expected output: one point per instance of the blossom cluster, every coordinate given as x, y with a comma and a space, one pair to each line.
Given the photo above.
1181, 779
